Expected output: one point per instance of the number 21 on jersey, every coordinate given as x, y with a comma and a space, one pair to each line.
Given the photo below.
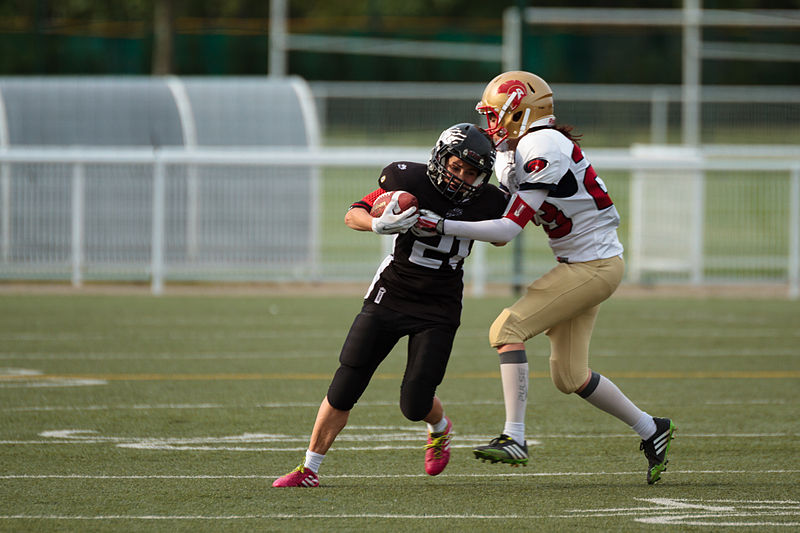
450, 249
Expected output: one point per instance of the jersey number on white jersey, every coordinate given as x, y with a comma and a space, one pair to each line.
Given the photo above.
554, 222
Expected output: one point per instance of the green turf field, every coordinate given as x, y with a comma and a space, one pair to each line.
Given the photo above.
136, 413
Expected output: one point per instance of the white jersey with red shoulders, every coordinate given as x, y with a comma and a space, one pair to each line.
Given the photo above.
578, 215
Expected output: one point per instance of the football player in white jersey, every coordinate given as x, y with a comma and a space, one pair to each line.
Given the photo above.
551, 183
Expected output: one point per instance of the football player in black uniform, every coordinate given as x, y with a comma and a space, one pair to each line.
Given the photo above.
416, 292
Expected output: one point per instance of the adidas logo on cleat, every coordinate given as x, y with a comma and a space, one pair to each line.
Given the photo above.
503, 449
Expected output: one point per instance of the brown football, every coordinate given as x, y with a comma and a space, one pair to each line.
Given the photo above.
404, 201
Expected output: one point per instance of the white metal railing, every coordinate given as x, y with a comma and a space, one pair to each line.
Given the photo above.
643, 163
616, 114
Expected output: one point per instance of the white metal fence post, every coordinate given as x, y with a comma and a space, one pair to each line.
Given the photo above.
478, 269
794, 234
315, 229
512, 39
277, 38
78, 210
5, 188
636, 226
698, 227
5, 201
659, 113
157, 243
692, 43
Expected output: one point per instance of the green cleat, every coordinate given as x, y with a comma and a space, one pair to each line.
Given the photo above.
656, 447
503, 449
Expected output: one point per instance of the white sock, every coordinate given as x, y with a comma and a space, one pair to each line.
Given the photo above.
516, 431
439, 426
645, 427
515, 394
607, 397
313, 461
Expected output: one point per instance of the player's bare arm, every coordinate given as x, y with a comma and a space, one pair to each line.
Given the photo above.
358, 219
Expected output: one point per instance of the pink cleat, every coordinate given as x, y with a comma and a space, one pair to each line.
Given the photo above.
437, 450
299, 477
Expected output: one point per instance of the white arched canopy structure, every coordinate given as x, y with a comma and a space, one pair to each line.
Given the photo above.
116, 204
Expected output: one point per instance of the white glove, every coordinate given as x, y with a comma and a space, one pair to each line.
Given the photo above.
428, 224
389, 223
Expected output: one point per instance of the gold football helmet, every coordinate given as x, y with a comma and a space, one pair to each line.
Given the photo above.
515, 101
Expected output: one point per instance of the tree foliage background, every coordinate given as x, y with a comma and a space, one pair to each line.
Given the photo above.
212, 37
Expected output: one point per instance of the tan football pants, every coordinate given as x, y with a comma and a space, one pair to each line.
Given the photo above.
564, 304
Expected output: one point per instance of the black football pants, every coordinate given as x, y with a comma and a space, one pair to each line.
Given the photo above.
374, 333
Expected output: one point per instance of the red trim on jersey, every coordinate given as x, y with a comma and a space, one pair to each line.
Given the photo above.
577, 153
519, 212
368, 200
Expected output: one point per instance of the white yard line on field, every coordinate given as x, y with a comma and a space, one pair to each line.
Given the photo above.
80, 356
388, 437
305, 354
314, 405
268, 517
503, 474
658, 511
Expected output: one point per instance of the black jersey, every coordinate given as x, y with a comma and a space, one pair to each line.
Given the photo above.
423, 276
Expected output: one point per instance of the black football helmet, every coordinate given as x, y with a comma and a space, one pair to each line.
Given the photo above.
472, 145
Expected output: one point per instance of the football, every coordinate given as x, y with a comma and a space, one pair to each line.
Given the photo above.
404, 201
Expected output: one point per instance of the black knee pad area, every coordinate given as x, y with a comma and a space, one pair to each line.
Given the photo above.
416, 400
347, 386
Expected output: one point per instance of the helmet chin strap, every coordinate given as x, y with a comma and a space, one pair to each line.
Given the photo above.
501, 141
492, 129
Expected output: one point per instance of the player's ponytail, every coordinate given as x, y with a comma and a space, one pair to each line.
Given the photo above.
568, 131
